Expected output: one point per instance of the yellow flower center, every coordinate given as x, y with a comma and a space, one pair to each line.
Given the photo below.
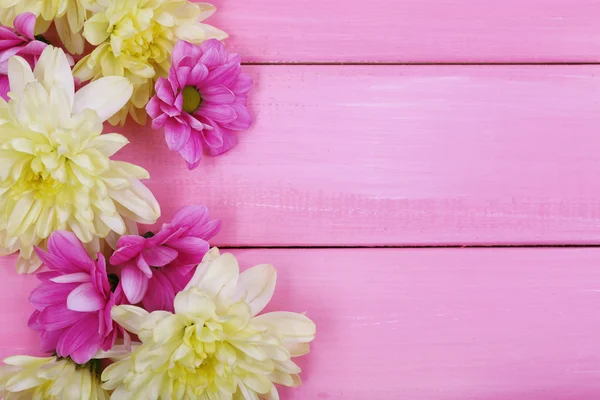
191, 99
42, 185
151, 45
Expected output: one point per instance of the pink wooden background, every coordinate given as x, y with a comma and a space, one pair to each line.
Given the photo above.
354, 177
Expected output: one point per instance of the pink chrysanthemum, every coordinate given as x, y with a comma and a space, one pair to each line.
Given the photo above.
74, 300
202, 101
19, 41
155, 267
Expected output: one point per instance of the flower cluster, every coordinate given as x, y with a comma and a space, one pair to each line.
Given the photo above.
68, 207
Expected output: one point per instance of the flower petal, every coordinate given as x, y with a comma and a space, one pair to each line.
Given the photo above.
59, 316
19, 74
24, 24
256, 286
129, 317
134, 283
66, 246
128, 247
53, 71
106, 96
176, 134
224, 270
159, 256
85, 298
77, 336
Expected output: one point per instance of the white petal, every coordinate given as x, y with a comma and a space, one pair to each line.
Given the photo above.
220, 272
106, 96
53, 70
256, 286
288, 325
129, 317
194, 303
109, 143
19, 74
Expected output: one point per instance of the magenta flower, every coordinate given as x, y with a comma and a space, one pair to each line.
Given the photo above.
155, 267
19, 41
202, 102
74, 300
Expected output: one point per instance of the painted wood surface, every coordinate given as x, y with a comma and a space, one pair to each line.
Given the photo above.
422, 324
404, 31
400, 155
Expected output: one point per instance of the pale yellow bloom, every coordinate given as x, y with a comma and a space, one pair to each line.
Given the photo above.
51, 378
135, 39
68, 15
215, 346
55, 166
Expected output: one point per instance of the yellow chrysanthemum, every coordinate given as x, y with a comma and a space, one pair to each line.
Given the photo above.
135, 39
50, 378
55, 166
68, 15
214, 346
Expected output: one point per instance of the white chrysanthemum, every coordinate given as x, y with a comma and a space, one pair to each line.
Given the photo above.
135, 38
68, 15
55, 166
214, 346
27, 378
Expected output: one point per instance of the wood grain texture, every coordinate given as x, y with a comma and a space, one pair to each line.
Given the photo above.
422, 324
400, 155
412, 30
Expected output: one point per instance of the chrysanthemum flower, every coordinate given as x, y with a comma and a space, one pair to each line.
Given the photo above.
18, 41
214, 346
49, 378
202, 102
68, 15
135, 39
74, 300
55, 166
155, 267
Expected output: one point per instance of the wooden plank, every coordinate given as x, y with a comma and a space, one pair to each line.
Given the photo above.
424, 324
402, 31
400, 155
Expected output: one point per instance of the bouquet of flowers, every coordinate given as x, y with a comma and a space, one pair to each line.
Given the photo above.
176, 318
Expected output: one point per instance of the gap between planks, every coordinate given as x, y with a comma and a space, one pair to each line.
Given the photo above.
419, 63
470, 246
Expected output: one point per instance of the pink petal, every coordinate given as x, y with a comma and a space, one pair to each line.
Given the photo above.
224, 74
160, 294
47, 275
193, 122
181, 49
59, 316
8, 53
35, 48
223, 113
32, 322
160, 121
214, 53
198, 74
4, 87
176, 134
128, 247
101, 283
190, 216
66, 246
183, 72
55, 263
218, 95
243, 120
85, 298
159, 256
191, 246
144, 267
213, 137
25, 24
153, 107
164, 90
242, 85
49, 294
49, 340
192, 151
80, 341
228, 143
77, 277
166, 232
207, 230
7, 34
134, 283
